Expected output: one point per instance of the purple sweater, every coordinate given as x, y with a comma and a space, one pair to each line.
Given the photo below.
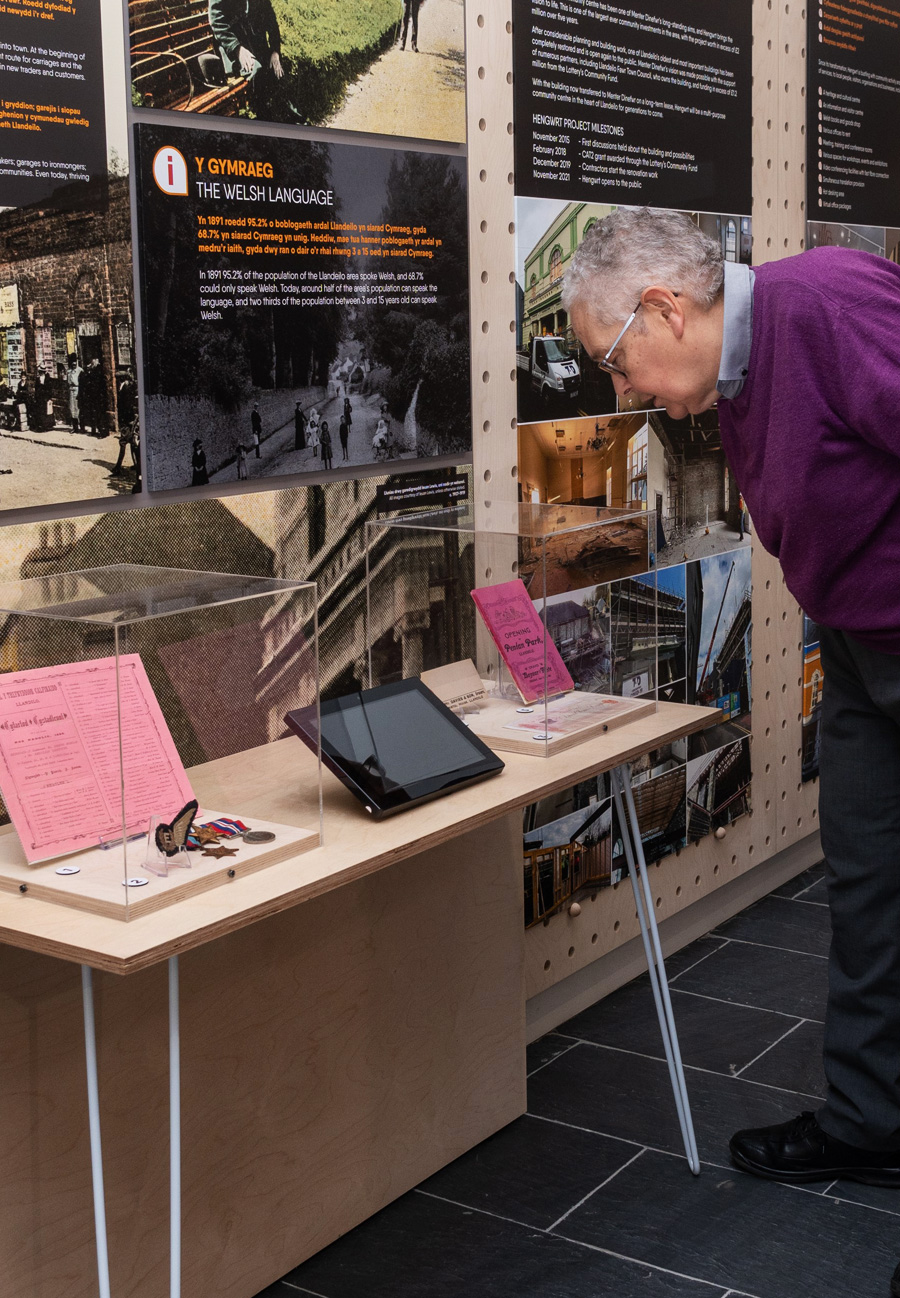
814, 437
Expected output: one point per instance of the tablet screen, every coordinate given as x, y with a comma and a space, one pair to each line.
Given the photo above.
404, 736
395, 745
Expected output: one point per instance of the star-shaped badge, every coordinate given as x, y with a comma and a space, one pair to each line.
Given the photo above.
219, 851
205, 834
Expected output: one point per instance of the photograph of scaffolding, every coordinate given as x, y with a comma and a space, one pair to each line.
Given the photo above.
719, 658
569, 845
718, 789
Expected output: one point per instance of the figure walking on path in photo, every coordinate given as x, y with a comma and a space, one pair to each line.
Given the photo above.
411, 13
73, 378
199, 472
256, 427
798, 430
242, 462
348, 413
344, 433
379, 441
299, 428
312, 432
325, 439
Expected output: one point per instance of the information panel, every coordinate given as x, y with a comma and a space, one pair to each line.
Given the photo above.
52, 129
305, 305
853, 102
646, 105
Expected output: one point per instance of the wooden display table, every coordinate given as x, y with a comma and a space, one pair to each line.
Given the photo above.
335, 1053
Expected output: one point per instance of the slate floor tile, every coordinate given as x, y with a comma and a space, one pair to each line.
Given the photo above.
794, 887
279, 1290
712, 1034
531, 1171
420, 1247
778, 921
794, 1063
630, 1097
872, 1196
771, 1240
544, 1050
691, 955
763, 977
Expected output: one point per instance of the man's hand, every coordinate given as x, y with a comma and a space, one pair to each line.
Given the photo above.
275, 65
246, 60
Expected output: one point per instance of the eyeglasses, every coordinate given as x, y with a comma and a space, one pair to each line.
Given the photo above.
604, 363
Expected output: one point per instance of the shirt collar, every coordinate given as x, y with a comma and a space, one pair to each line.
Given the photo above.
737, 329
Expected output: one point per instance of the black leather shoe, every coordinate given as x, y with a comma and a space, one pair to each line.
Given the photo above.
800, 1151
895, 1284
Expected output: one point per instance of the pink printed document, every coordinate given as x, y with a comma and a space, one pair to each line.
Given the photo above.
519, 634
59, 756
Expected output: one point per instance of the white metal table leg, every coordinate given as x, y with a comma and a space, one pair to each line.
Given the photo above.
90, 1049
637, 868
174, 1134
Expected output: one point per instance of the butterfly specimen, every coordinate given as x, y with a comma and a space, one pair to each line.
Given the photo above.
172, 838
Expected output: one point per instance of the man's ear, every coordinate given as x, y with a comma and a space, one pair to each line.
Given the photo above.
666, 305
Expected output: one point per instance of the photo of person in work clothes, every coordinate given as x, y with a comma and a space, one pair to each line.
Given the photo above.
249, 41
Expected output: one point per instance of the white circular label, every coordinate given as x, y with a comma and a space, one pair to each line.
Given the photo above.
69, 869
134, 883
170, 171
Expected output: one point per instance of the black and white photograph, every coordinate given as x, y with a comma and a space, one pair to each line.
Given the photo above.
310, 316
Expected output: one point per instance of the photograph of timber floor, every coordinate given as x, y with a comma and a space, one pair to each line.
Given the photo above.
589, 1193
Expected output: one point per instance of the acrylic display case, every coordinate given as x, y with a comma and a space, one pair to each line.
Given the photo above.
143, 752
569, 592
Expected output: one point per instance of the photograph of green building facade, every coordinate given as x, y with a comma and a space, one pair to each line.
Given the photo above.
555, 377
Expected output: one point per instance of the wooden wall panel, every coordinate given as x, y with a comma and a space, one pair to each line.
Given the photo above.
492, 252
783, 809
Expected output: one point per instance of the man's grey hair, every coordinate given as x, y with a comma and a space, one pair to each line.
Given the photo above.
633, 248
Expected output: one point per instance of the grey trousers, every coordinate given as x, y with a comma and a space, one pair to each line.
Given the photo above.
859, 813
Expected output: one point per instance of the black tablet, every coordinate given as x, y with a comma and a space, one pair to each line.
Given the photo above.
395, 746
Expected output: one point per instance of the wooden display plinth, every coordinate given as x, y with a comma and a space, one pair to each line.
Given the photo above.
99, 886
507, 726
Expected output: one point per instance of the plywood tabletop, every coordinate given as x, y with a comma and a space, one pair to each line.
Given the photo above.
278, 783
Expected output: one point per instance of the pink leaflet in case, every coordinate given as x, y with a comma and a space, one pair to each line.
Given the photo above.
59, 755
519, 634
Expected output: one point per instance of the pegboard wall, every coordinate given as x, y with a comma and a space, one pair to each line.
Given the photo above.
784, 809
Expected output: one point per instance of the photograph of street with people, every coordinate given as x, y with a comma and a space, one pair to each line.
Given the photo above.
68, 378
392, 67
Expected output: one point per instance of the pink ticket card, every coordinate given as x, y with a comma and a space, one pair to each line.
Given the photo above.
60, 773
519, 634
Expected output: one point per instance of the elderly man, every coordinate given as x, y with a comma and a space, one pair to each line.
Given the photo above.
803, 358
